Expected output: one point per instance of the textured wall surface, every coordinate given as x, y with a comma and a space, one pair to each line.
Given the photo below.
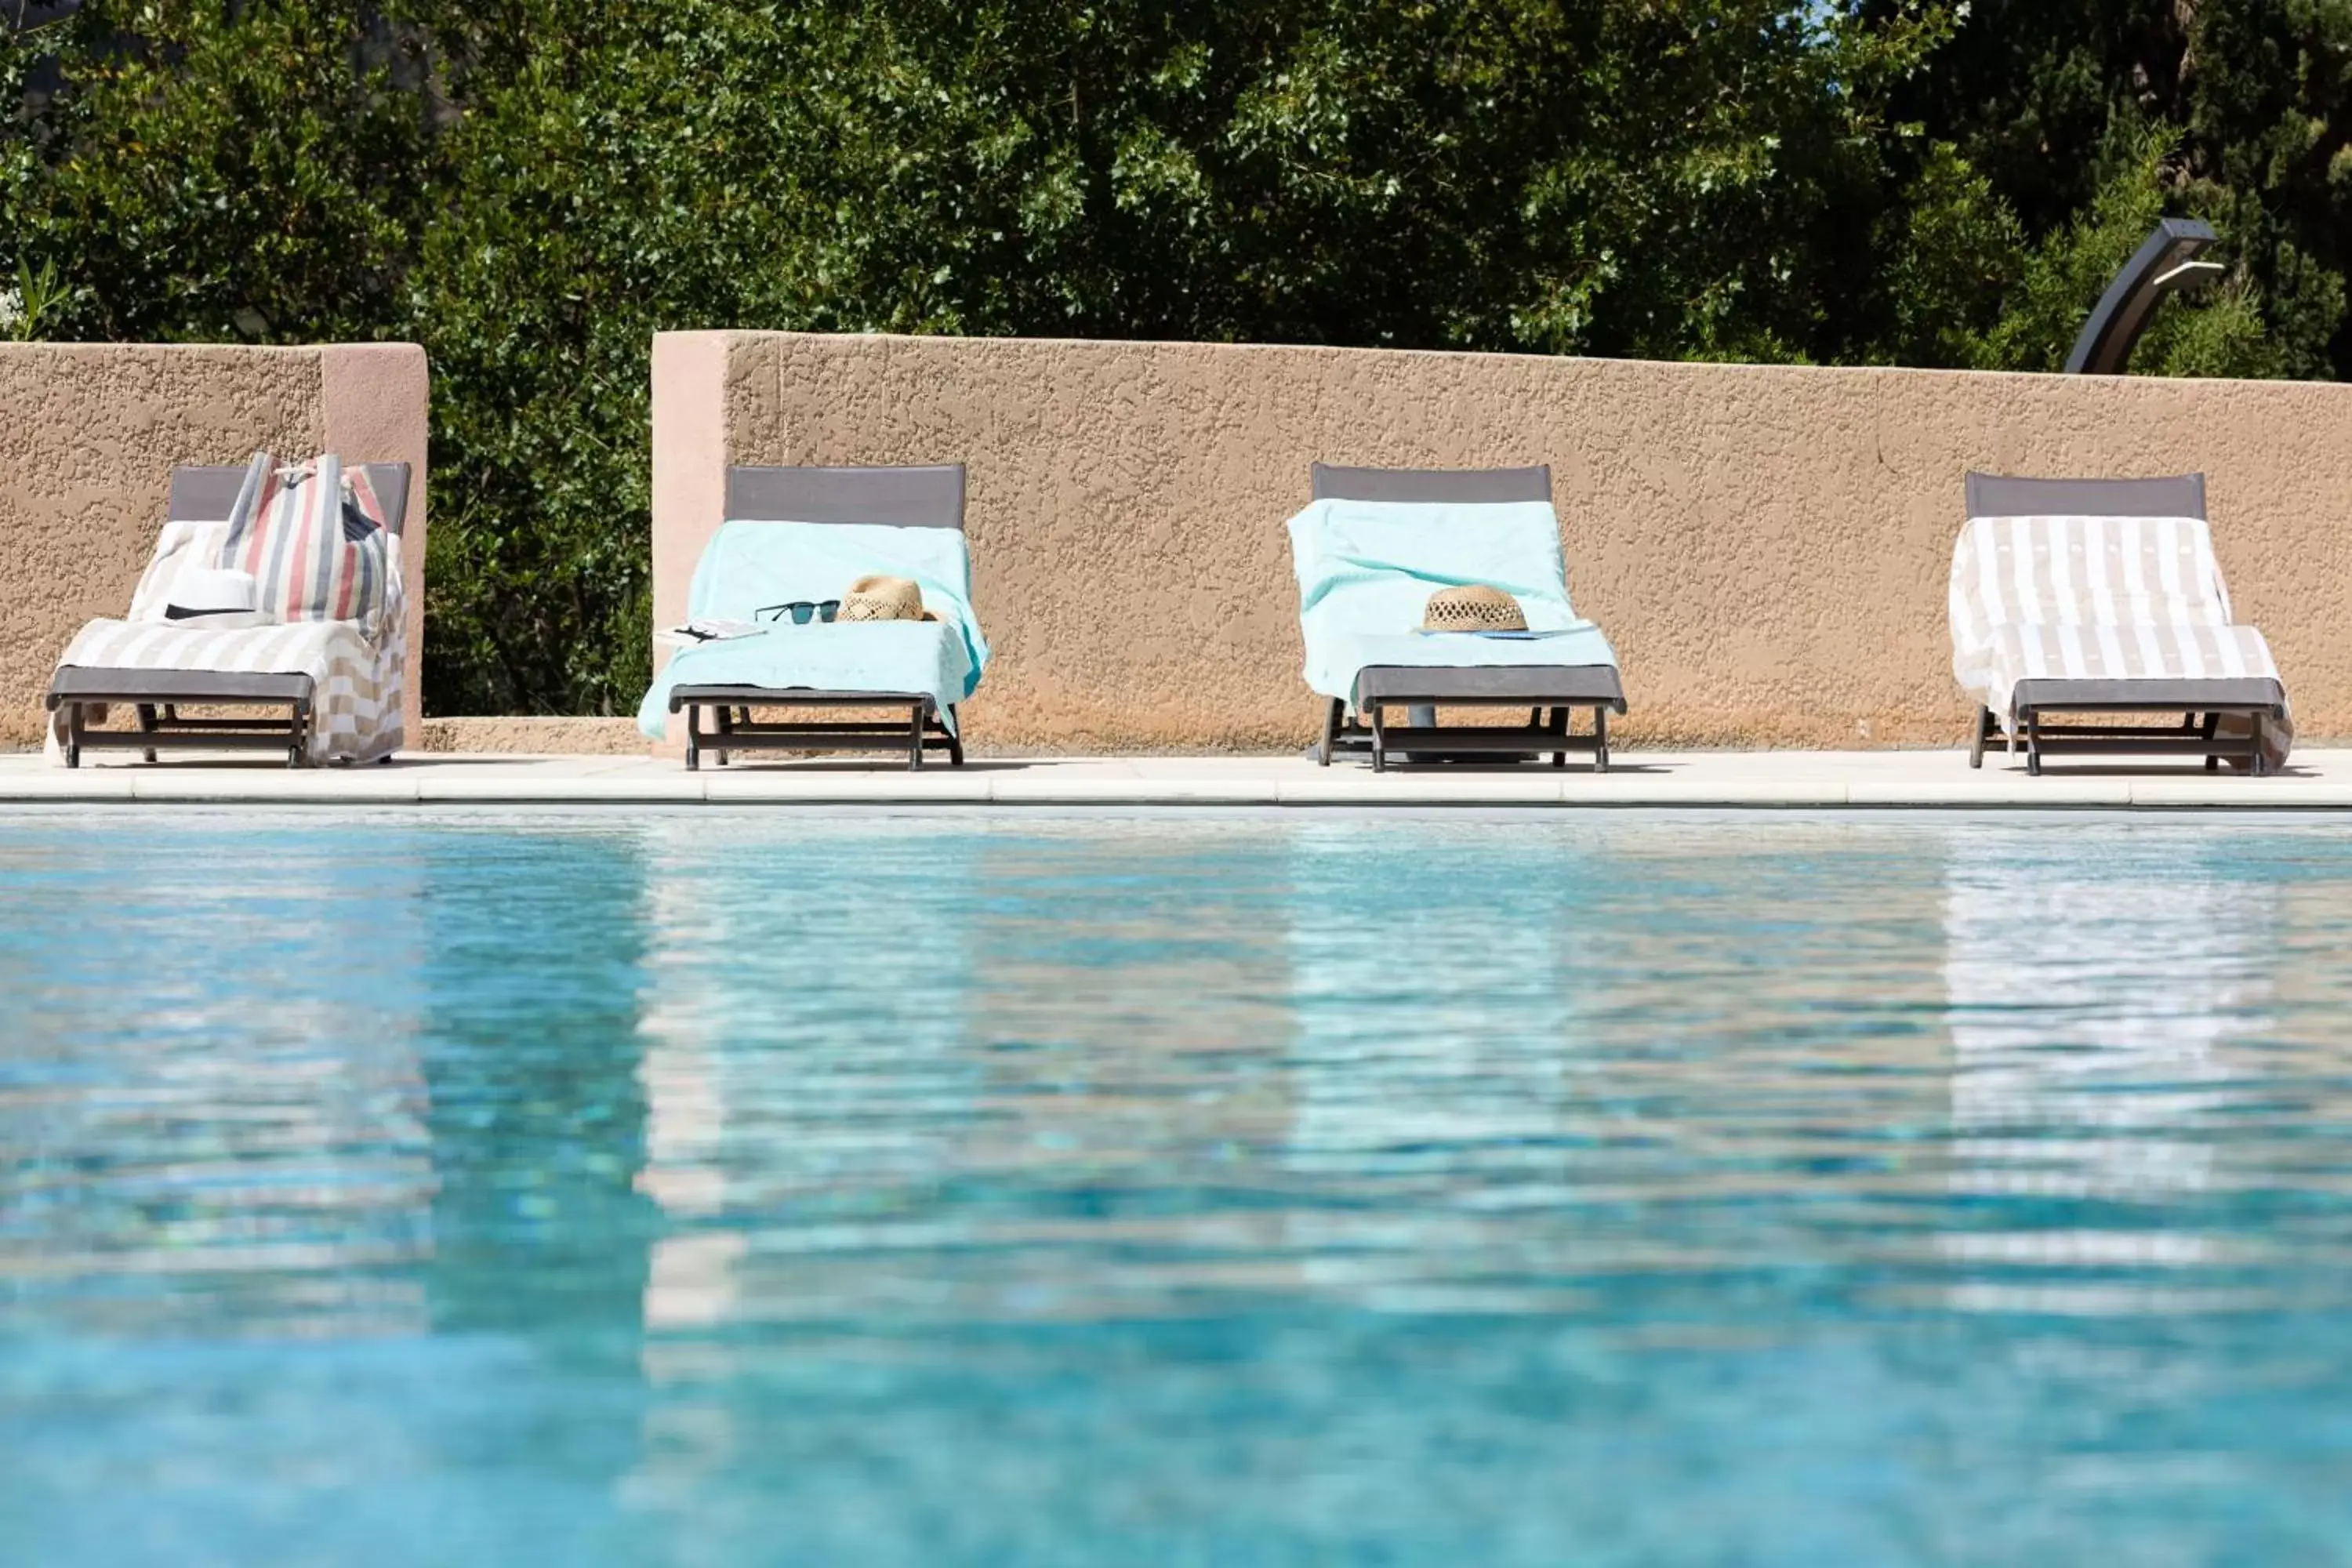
90, 433
537, 736
1767, 547
376, 402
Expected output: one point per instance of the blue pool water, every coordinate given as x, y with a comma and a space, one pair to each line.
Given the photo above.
710, 1189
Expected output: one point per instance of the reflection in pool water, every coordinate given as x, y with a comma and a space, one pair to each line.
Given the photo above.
713, 1188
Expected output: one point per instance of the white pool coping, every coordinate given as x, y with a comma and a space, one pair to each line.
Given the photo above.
2317, 779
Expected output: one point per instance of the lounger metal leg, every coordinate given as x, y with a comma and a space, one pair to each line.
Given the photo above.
915, 739
1600, 739
2212, 727
73, 734
147, 727
2034, 744
1379, 739
955, 738
693, 737
1558, 723
2261, 765
1985, 722
726, 727
1333, 716
297, 752
1421, 716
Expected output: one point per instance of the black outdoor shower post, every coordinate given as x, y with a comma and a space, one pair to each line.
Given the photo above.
2166, 261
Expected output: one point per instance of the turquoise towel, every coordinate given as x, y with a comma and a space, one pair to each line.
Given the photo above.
1366, 570
749, 566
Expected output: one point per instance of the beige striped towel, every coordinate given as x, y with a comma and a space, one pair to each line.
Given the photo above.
358, 684
2095, 598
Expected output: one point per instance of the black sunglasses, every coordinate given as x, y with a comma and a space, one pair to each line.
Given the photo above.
800, 610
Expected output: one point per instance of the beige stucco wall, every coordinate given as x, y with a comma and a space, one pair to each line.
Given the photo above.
1766, 546
90, 433
536, 736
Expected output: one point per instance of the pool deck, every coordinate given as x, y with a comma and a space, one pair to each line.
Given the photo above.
2316, 779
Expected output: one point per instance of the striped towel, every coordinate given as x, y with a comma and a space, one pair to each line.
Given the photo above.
356, 688
359, 681
2093, 598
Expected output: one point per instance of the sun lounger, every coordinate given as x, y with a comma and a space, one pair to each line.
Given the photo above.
804, 534
1369, 551
341, 691
2098, 597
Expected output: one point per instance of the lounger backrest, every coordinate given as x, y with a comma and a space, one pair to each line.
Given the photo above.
2085, 553
924, 496
1999, 495
208, 494
1457, 486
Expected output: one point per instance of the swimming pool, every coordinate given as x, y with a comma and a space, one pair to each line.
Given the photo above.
722, 1188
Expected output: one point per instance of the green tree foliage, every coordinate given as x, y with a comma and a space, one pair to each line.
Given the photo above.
218, 173
2056, 102
2223, 334
531, 188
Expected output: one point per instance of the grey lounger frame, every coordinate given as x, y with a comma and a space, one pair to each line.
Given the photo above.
930, 496
1551, 693
155, 697
2203, 704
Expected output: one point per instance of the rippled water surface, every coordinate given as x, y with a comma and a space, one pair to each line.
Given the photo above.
715, 1189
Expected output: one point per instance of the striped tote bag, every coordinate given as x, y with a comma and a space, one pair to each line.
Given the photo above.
314, 541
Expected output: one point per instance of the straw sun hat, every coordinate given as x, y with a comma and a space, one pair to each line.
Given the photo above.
1473, 607
884, 599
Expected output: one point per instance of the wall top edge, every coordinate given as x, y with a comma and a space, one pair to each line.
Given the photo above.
287, 351
750, 336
